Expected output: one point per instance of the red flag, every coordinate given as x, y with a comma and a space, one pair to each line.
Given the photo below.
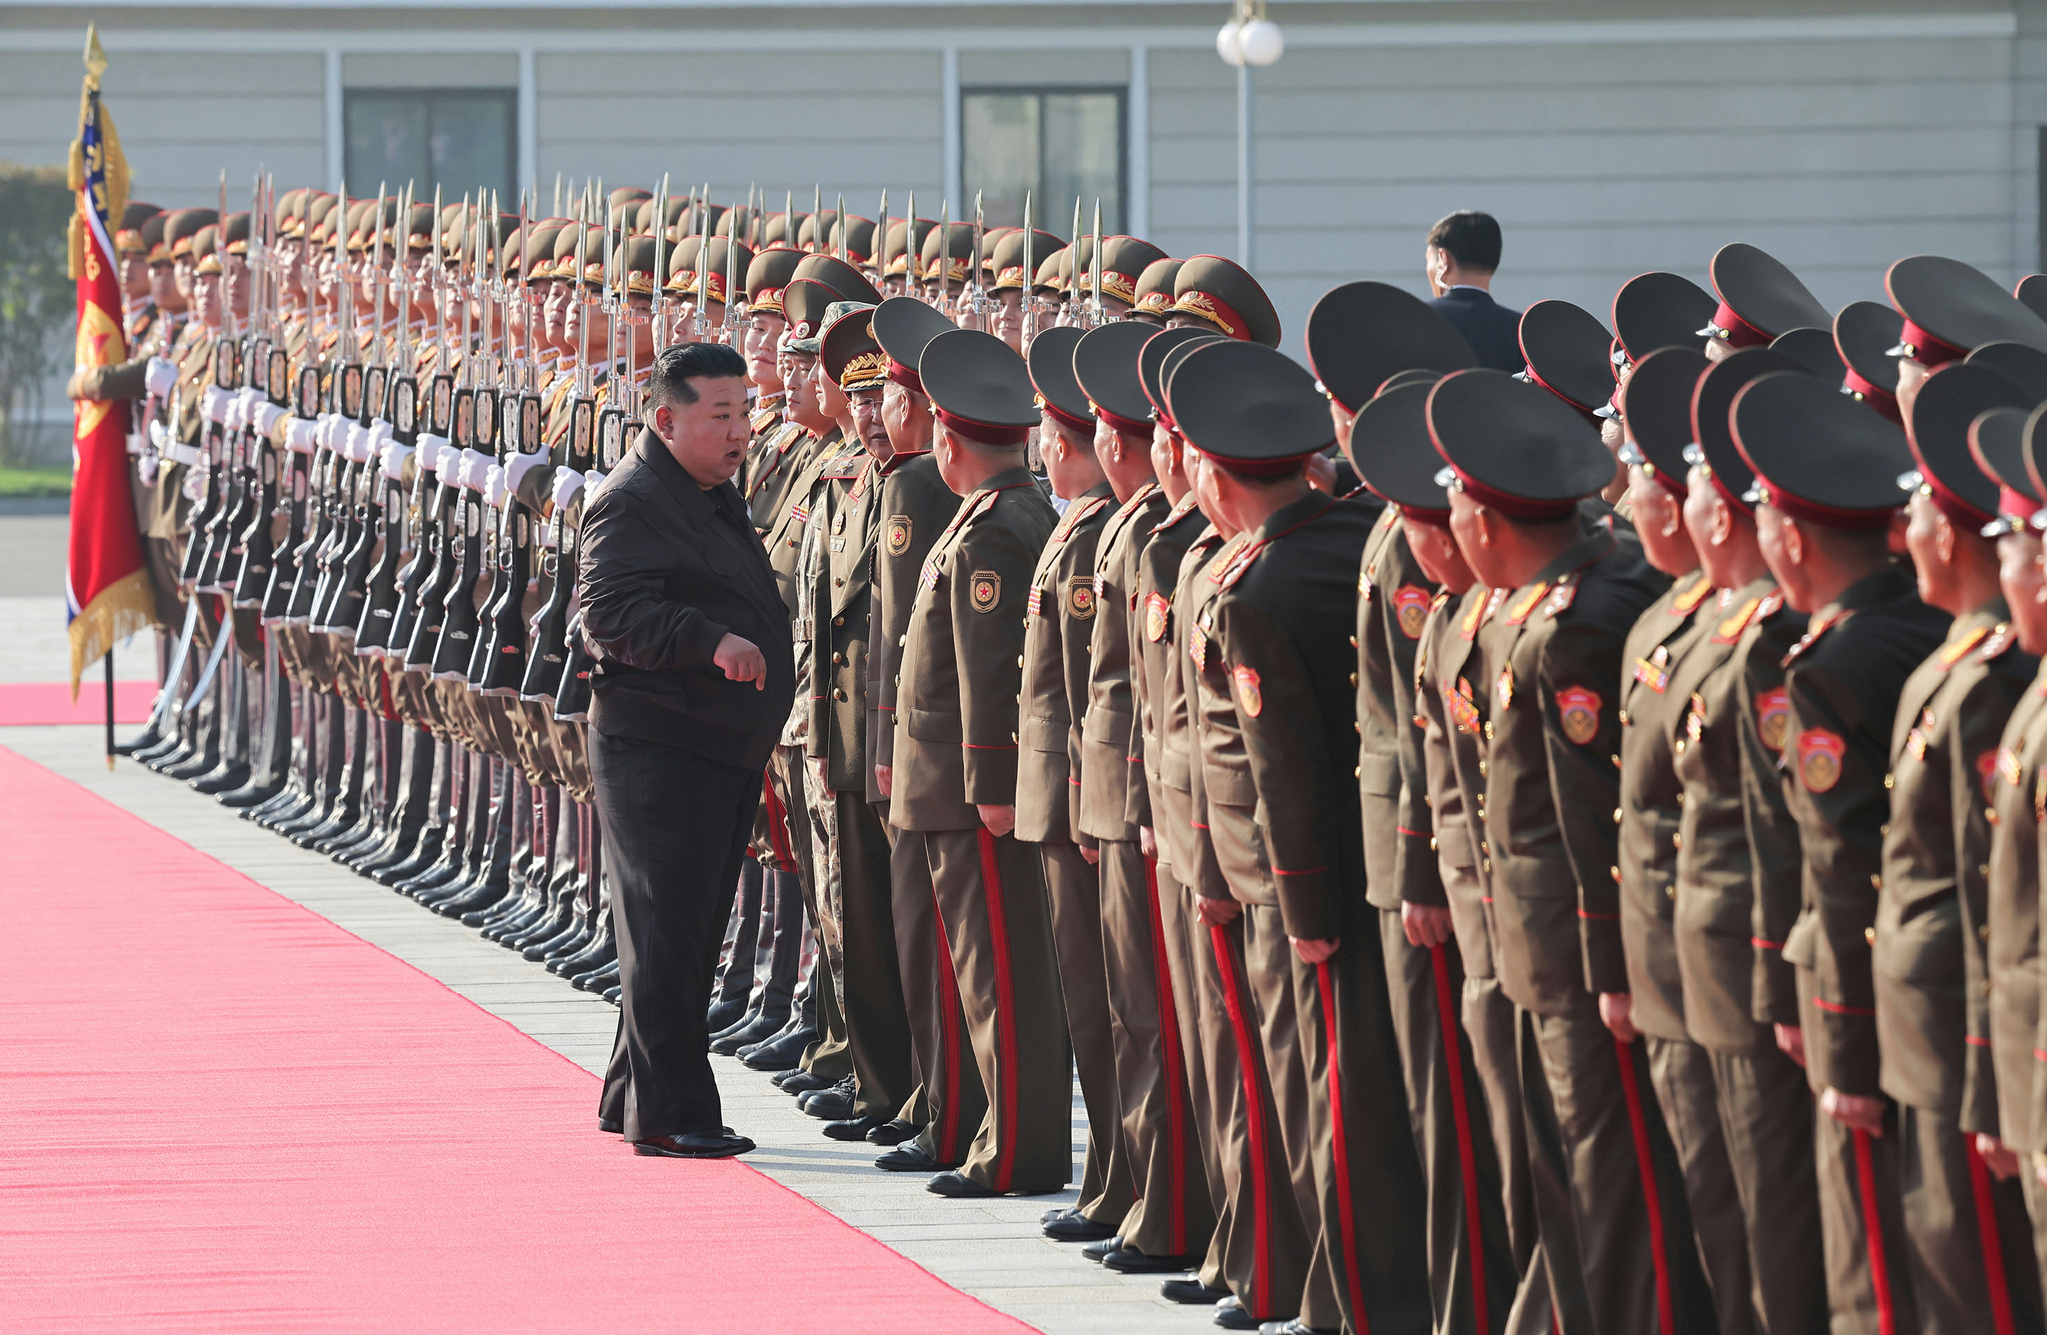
106, 585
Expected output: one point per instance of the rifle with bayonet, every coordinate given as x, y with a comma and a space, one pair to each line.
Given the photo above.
270, 372
503, 647
474, 434
379, 605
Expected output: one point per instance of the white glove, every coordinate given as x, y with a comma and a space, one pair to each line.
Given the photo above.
429, 448
236, 416
328, 433
214, 402
380, 435
264, 417
194, 485
302, 436
136, 440
158, 436
475, 463
355, 445
520, 466
567, 483
448, 466
594, 479
391, 463
160, 377
251, 400
494, 487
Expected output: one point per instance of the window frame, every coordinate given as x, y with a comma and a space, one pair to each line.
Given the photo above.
1121, 92
509, 96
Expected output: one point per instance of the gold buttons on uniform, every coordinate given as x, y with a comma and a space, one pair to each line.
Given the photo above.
1353, 678
838, 621
1624, 718
1677, 841
1357, 771
1890, 780
1982, 869
1012, 737
838, 660
1616, 815
838, 695
1869, 935
1876, 881
1353, 641
1616, 875
1670, 892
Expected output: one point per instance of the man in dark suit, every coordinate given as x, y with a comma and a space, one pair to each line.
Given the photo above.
1463, 252
693, 680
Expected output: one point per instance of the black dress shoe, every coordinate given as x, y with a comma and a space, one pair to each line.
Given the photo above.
696, 1145
851, 1128
1073, 1226
1230, 1315
958, 1186
893, 1132
800, 1082
1058, 1212
830, 1105
779, 1053
1191, 1292
910, 1157
1131, 1261
611, 1126
1095, 1251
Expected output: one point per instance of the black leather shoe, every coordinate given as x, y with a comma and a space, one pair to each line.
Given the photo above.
1131, 1261
893, 1132
783, 1052
800, 1082
958, 1186
1058, 1212
851, 1128
1230, 1315
1073, 1226
696, 1145
1191, 1292
910, 1157
830, 1105
1095, 1251
610, 1126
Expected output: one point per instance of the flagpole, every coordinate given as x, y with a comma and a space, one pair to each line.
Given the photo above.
109, 663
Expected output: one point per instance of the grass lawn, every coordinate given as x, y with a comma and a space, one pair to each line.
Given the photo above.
48, 480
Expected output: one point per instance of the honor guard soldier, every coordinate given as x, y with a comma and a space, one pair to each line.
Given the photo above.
1210, 292
1274, 644
1737, 877
1825, 495
771, 459
1967, 1235
955, 772
1520, 462
948, 1103
1152, 298
1864, 334
1060, 616
1760, 299
1170, 1226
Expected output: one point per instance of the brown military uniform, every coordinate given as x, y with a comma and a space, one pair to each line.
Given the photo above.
957, 733
2017, 804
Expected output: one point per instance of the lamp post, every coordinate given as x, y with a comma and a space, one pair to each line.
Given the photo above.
1248, 39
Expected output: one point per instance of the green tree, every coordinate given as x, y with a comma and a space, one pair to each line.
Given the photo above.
38, 302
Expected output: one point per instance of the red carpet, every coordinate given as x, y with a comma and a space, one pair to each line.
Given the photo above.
220, 1112
28, 702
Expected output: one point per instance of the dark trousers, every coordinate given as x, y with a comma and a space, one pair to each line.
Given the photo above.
675, 828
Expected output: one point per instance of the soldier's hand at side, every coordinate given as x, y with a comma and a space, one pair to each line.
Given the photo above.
1148, 841
1093, 855
1315, 952
1791, 1042
1427, 925
742, 660
999, 820
885, 780
1860, 1111
1216, 912
1999, 1158
1617, 1013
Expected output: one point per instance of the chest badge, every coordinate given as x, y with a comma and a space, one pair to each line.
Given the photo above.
1155, 611
1819, 759
1250, 698
1773, 717
1503, 689
1411, 606
898, 534
1578, 713
1080, 597
985, 590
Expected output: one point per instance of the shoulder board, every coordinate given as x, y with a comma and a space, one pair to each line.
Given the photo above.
1436, 603
845, 466
1566, 593
1952, 653
1176, 514
1137, 500
1523, 606
788, 439
1812, 636
1998, 641
1731, 629
1077, 514
984, 505
1773, 603
1688, 602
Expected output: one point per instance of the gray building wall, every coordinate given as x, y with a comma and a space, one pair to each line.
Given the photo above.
1610, 137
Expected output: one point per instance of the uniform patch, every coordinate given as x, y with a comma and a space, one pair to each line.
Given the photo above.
1578, 713
1503, 689
1819, 759
1773, 717
985, 590
1654, 671
1080, 597
1952, 654
898, 534
1525, 604
1463, 709
1249, 697
1986, 772
1411, 607
1688, 602
1156, 610
1034, 603
1731, 629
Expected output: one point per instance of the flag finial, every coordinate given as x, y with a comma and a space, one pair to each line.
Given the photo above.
95, 55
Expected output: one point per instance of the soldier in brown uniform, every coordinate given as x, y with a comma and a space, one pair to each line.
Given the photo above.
1170, 1226
1967, 1236
1825, 494
955, 764
1521, 461
1737, 866
1060, 617
1273, 643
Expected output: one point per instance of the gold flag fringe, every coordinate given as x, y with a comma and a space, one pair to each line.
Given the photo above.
122, 608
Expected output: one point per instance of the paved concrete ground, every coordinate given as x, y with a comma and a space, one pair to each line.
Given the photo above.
990, 1249
32, 552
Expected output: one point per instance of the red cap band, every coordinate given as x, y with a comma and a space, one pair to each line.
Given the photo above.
1084, 425
1740, 333
984, 432
1129, 426
1824, 515
1927, 350
1953, 506
905, 376
1587, 413
2015, 504
1216, 311
1875, 396
1259, 467
1433, 518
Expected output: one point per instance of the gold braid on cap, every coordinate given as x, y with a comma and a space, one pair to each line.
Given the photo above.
864, 370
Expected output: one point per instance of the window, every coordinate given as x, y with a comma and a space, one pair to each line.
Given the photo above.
1060, 144
459, 139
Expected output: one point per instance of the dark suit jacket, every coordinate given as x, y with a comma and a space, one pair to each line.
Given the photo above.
667, 569
1492, 330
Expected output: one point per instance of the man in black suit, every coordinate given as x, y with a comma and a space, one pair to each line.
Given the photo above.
694, 677
1463, 252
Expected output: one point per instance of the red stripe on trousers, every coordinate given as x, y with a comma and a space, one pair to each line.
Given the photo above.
1326, 985
1991, 1237
1666, 1314
1005, 1016
1467, 1156
1872, 1224
949, 1008
1175, 1074
1254, 1118
778, 825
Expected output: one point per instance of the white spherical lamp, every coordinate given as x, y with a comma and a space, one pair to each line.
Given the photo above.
1260, 42
1228, 43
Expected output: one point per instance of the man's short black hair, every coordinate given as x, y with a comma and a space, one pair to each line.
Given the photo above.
1472, 239
678, 365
